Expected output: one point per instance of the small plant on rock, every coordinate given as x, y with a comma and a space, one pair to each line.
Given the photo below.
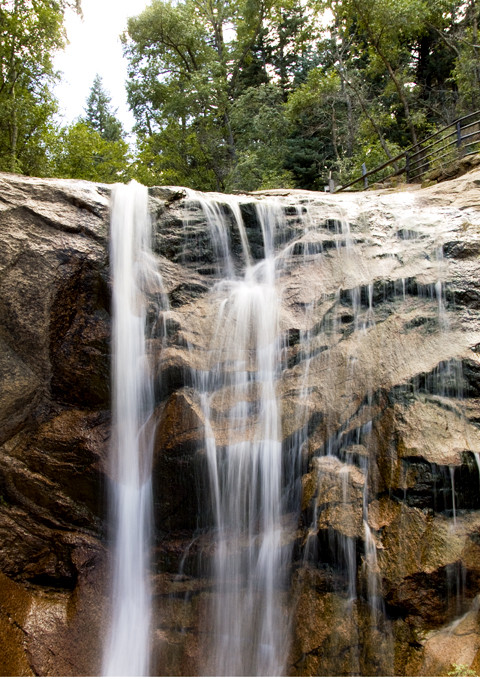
460, 670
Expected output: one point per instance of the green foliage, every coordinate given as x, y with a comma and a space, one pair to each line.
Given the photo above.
178, 88
466, 73
25, 129
93, 147
288, 43
261, 129
30, 32
319, 127
99, 115
244, 94
459, 670
189, 87
373, 155
258, 109
174, 157
80, 152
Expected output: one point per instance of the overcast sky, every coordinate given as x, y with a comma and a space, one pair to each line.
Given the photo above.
95, 48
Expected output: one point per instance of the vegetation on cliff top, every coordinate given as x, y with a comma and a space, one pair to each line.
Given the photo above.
244, 94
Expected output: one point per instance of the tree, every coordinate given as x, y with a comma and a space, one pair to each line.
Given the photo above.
388, 29
177, 89
99, 114
30, 32
93, 147
80, 152
467, 63
289, 44
189, 62
261, 129
244, 94
321, 133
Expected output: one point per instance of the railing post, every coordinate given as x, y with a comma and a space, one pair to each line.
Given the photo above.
459, 137
331, 183
407, 166
365, 179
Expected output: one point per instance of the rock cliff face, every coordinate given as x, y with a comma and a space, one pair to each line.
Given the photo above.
54, 423
379, 393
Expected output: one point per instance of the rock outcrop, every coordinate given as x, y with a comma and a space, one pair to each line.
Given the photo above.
379, 389
54, 423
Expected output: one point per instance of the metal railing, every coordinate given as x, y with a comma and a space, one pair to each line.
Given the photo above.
460, 138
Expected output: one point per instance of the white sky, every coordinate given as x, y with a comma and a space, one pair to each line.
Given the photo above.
95, 48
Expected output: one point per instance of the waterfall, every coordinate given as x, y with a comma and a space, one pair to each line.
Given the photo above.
302, 401
128, 647
244, 454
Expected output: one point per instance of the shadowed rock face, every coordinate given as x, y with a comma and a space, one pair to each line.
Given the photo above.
379, 392
54, 423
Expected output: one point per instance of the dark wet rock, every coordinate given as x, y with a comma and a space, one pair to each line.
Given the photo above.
186, 292
80, 339
179, 437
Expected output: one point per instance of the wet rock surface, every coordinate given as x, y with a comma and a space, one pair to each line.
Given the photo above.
54, 423
379, 386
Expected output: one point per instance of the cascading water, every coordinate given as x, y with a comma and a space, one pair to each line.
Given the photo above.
289, 326
127, 651
245, 460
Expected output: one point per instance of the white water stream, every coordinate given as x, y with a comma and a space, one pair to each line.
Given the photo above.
247, 627
127, 650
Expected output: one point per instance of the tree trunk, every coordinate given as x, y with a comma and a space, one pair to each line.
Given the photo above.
402, 97
14, 140
378, 131
13, 127
351, 132
475, 46
334, 133
14, 115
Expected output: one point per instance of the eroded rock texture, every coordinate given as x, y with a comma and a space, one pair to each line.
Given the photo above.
54, 423
379, 394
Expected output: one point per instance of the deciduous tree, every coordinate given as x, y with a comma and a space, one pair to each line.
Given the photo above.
30, 32
80, 152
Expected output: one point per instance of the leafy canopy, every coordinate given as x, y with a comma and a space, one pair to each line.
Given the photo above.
31, 31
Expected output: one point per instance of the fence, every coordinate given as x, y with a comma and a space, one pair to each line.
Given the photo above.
459, 139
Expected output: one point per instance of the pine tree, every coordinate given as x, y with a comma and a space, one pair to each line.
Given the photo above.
99, 115
93, 147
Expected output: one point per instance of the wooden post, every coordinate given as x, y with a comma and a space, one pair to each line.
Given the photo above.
407, 166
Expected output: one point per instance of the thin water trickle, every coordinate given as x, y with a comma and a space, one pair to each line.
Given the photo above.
477, 461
